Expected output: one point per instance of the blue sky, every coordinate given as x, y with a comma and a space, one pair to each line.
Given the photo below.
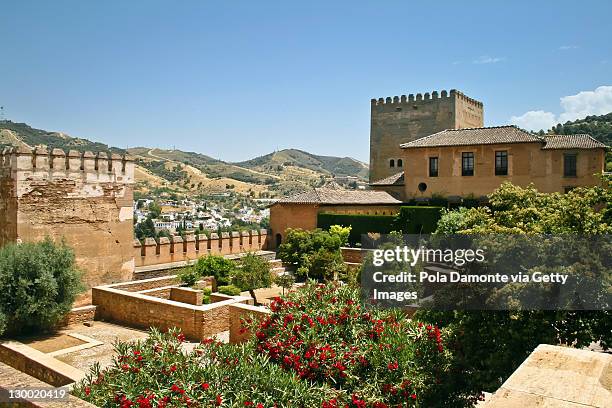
239, 79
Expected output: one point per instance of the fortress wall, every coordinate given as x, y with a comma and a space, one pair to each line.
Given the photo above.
151, 252
400, 119
8, 203
83, 198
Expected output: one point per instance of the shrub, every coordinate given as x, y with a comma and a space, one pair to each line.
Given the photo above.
417, 219
376, 357
323, 265
156, 372
360, 224
214, 265
304, 249
189, 276
229, 290
38, 285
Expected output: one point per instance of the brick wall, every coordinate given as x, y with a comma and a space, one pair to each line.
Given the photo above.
144, 311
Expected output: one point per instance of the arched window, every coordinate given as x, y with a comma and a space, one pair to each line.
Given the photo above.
400, 162
391, 163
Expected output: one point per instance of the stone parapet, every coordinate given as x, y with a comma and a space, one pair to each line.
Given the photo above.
191, 247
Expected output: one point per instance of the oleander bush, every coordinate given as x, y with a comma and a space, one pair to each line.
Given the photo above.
376, 358
157, 372
38, 285
318, 348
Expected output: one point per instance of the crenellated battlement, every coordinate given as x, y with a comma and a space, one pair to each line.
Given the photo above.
427, 97
58, 163
177, 249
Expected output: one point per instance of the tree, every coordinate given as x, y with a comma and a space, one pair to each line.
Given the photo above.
300, 247
217, 266
155, 210
511, 335
253, 273
285, 281
38, 285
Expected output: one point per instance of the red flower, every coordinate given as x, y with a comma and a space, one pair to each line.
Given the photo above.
205, 386
413, 396
218, 400
393, 366
87, 390
176, 388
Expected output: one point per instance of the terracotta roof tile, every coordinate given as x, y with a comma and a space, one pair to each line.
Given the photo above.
337, 196
579, 141
474, 136
393, 180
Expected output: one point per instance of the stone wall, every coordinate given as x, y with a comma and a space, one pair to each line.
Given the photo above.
83, 198
174, 250
402, 119
38, 365
11, 378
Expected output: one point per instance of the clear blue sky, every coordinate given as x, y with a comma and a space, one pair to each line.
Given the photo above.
238, 79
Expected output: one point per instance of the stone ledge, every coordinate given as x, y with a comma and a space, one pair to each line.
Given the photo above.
38, 364
12, 378
554, 376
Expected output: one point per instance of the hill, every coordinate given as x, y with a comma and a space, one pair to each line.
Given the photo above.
275, 162
161, 171
36, 137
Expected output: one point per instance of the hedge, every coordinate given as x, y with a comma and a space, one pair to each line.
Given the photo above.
417, 219
360, 224
410, 220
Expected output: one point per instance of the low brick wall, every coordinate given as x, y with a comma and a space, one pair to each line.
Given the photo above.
239, 311
38, 365
145, 284
79, 315
143, 311
11, 378
187, 295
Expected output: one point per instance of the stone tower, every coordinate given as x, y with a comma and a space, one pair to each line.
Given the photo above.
83, 198
402, 119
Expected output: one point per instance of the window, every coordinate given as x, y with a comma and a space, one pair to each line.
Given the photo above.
569, 165
501, 163
433, 167
467, 164
391, 163
400, 162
